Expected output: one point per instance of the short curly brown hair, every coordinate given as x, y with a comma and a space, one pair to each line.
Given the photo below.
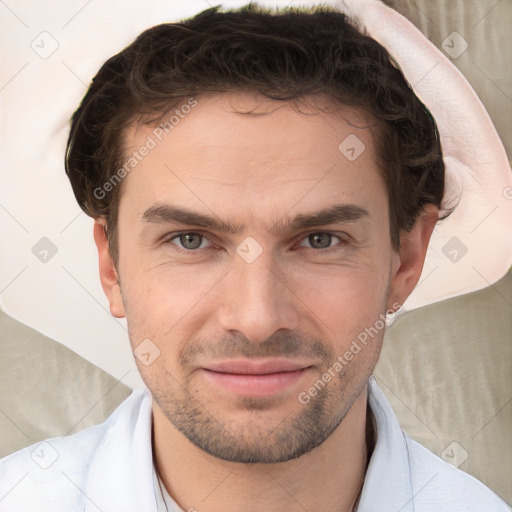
285, 55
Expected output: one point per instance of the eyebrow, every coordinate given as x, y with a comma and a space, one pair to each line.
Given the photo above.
335, 214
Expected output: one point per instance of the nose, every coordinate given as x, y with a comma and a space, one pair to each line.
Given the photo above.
257, 301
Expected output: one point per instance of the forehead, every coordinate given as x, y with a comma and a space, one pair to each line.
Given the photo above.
246, 149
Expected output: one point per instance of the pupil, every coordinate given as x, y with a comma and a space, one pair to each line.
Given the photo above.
187, 240
320, 240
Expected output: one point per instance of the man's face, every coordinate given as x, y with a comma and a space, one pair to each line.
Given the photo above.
246, 321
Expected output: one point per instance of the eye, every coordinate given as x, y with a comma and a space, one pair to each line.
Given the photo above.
189, 241
320, 240
192, 241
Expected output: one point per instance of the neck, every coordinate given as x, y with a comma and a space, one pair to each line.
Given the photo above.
327, 479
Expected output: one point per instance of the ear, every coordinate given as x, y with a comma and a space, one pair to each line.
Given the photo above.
108, 273
409, 260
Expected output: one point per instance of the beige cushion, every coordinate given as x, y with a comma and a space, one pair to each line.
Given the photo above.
46, 389
447, 371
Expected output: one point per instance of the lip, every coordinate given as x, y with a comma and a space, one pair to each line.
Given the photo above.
255, 367
256, 378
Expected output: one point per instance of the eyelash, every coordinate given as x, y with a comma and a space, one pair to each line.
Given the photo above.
334, 248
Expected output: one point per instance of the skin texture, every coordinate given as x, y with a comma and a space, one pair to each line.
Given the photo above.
303, 299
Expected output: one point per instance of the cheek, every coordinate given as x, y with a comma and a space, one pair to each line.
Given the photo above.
167, 304
343, 296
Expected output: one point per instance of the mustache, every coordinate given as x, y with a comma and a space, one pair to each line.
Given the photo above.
286, 344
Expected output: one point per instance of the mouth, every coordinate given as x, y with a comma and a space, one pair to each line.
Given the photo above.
256, 378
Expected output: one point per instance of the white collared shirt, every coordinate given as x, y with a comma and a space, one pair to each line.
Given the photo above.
109, 467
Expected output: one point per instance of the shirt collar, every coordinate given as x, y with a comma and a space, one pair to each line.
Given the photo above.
388, 481
126, 449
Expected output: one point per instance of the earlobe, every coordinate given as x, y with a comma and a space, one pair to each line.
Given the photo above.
108, 273
411, 257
